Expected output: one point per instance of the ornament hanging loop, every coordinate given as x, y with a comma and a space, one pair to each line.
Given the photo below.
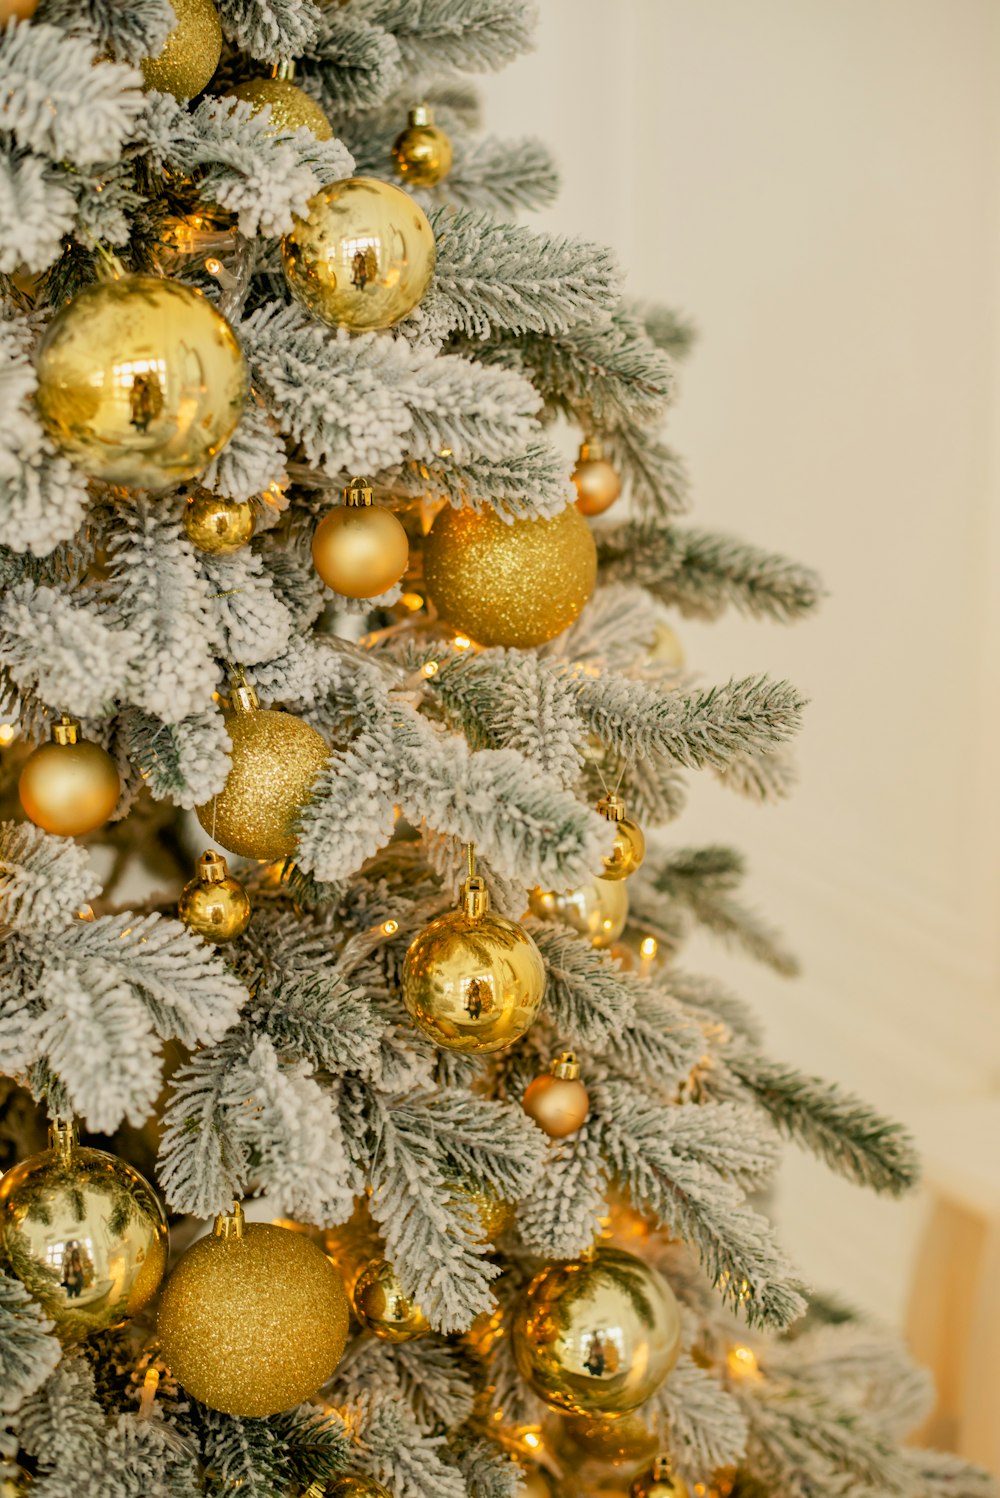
475, 895
230, 1224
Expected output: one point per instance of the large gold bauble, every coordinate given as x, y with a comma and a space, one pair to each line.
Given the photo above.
630, 845
363, 257
253, 1318
291, 107
69, 786
217, 525
659, 1482
597, 910
140, 381
84, 1233
213, 904
354, 1487
516, 585
622, 1441
558, 1101
597, 1336
382, 1307
360, 550
191, 53
422, 153
597, 482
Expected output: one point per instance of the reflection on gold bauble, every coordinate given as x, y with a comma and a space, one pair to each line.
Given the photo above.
363, 257
623, 1441
630, 844
84, 1233
598, 910
516, 585
557, 1100
140, 381
597, 482
666, 649
214, 904
354, 1487
358, 548
253, 1318
217, 525
598, 1335
422, 152
381, 1306
291, 107
69, 786
473, 981
659, 1482
191, 53
273, 762
535, 1483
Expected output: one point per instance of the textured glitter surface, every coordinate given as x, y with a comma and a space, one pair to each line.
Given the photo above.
291, 106
253, 1325
191, 54
516, 585
275, 759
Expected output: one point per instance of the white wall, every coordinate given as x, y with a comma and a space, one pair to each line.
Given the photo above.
816, 182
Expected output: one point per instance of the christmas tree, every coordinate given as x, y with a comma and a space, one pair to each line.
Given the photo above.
393, 1150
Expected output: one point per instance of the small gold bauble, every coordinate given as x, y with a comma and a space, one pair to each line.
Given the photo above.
493, 1215
422, 153
354, 1487
382, 1307
598, 1335
535, 1483
84, 1233
360, 549
217, 525
69, 786
659, 1482
622, 1441
630, 844
558, 1101
363, 257
23, 10
190, 54
253, 1318
140, 381
291, 107
597, 482
666, 649
214, 904
597, 910
516, 585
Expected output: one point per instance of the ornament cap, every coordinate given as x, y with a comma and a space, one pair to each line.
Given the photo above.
242, 697
230, 1224
285, 69
66, 730
63, 1137
591, 450
566, 1067
358, 492
662, 1468
212, 867
420, 114
475, 897
612, 807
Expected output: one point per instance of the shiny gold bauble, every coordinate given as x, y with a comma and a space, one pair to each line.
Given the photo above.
23, 10
84, 1233
15, 1482
382, 1307
217, 525
140, 381
597, 910
353, 1487
363, 257
630, 844
597, 482
666, 649
291, 107
253, 1318
359, 549
213, 904
69, 786
598, 1335
422, 153
516, 585
557, 1100
623, 1441
536, 1483
659, 1482
190, 54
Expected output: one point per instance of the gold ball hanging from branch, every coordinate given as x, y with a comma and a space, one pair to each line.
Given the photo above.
353, 1487
630, 844
597, 910
597, 482
69, 786
493, 1215
291, 107
190, 54
381, 1305
535, 1483
214, 904
22, 10
360, 549
217, 525
659, 1482
666, 649
422, 152
622, 1441
558, 1101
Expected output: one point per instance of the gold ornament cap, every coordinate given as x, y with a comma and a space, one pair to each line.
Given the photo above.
358, 492
66, 730
230, 1224
475, 898
212, 868
591, 450
566, 1067
612, 807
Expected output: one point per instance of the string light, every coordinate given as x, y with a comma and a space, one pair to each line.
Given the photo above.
461, 642
648, 946
150, 1384
742, 1362
429, 668
390, 927
7, 733
411, 601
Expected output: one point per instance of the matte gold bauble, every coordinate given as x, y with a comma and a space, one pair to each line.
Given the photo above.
272, 765
353, 1487
217, 525
382, 1307
666, 649
214, 904
597, 482
422, 153
23, 10
84, 1233
291, 107
516, 585
253, 1318
659, 1482
358, 548
598, 1335
558, 1101
597, 910
69, 786
190, 54
141, 381
363, 257
630, 844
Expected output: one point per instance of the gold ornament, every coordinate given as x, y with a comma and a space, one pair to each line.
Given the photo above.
516, 585
422, 153
69, 786
360, 549
623, 1441
353, 1487
558, 1101
23, 10
535, 1483
598, 910
383, 1308
630, 845
659, 1482
291, 107
273, 762
666, 649
217, 525
15, 1482
473, 981
84, 1233
253, 1318
214, 904
363, 257
597, 1335
140, 381
190, 54
597, 482
492, 1214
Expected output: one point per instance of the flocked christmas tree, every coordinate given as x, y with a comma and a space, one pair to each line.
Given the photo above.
289, 540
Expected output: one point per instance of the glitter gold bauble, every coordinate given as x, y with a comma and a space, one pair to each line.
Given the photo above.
291, 107
630, 844
272, 765
253, 1318
84, 1233
190, 54
597, 482
597, 910
659, 1482
516, 585
382, 1307
597, 1335
217, 525
666, 649
141, 381
359, 549
352, 1487
558, 1101
214, 904
422, 152
363, 257
490, 1214
69, 786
